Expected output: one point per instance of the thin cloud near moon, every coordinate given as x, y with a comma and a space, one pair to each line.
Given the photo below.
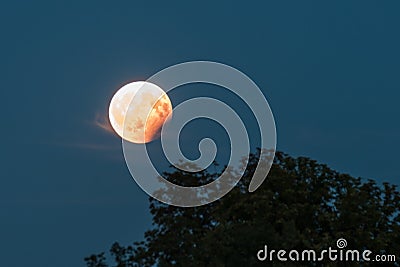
102, 121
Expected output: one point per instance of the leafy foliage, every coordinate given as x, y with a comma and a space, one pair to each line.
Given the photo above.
301, 205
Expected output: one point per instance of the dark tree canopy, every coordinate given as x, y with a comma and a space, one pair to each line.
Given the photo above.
301, 205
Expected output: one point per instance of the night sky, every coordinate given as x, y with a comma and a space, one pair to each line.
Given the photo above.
330, 72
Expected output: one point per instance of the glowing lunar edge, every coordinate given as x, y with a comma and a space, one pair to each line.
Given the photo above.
138, 111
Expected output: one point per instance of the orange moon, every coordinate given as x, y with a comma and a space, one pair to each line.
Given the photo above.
138, 111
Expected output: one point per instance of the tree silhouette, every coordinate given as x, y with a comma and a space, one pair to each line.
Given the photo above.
301, 205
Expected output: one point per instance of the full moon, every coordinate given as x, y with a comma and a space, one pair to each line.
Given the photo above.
138, 111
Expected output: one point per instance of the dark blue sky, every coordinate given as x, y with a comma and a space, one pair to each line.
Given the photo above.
329, 70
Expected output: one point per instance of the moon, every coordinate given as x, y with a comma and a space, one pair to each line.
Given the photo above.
138, 111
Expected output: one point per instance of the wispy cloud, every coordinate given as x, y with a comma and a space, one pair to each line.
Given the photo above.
110, 151
84, 145
101, 121
92, 146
